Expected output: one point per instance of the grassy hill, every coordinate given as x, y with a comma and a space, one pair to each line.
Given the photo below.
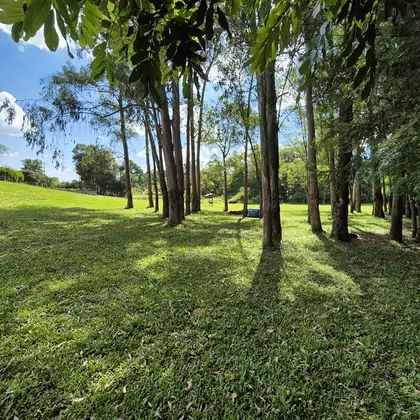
109, 313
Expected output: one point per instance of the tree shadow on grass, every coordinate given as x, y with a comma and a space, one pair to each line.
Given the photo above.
116, 315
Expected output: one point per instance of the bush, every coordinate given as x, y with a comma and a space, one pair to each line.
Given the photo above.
11, 175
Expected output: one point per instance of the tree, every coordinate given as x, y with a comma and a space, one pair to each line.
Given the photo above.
223, 131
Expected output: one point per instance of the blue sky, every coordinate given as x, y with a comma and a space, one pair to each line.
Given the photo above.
23, 66
20, 72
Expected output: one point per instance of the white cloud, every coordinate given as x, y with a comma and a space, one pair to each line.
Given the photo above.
13, 129
10, 155
141, 154
65, 174
37, 40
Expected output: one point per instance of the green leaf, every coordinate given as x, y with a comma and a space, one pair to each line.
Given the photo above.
223, 21
185, 86
50, 34
35, 17
17, 31
209, 22
110, 70
305, 67
12, 11
360, 76
201, 12
352, 60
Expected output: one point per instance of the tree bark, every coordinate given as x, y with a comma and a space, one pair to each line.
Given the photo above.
225, 197
391, 195
378, 200
128, 188
407, 207
246, 123
155, 185
149, 174
397, 218
265, 181
194, 198
357, 190
313, 176
384, 196
341, 209
158, 162
245, 210
176, 129
333, 186
175, 214
273, 152
417, 204
414, 216
187, 164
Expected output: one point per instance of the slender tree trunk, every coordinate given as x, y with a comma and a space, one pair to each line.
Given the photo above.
187, 164
378, 200
175, 214
265, 181
129, 191
149, 174
159, 162
200, 131
384, 195
417, 204
414, 216
163, 187
225, 186
176, 129
313, 176
391, 195
357, 191
333, 187
245, 210
341, 209
155, 185
273, 152
246, 123
194, 198
407, 207
397, 218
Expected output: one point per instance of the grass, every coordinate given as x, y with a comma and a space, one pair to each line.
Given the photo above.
107, 313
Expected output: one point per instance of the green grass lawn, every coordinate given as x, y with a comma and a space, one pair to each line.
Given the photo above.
108, 313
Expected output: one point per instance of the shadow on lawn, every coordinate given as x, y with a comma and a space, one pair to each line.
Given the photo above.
127, 314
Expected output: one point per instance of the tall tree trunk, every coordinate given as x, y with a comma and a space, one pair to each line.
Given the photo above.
225, 194
351, 198
159, 161
417, 204
384, 195
246, 123
176, 129
313, 176
155, 185
341, 210
129, 191
357, 190
357, 196
162, 181
175, 213
397, 217
407, 207
200, 129
149, 174
333, 187
414, 216
245, 210
378, 200
273, 152
265, 181
194, 198
391, 195
187, 163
